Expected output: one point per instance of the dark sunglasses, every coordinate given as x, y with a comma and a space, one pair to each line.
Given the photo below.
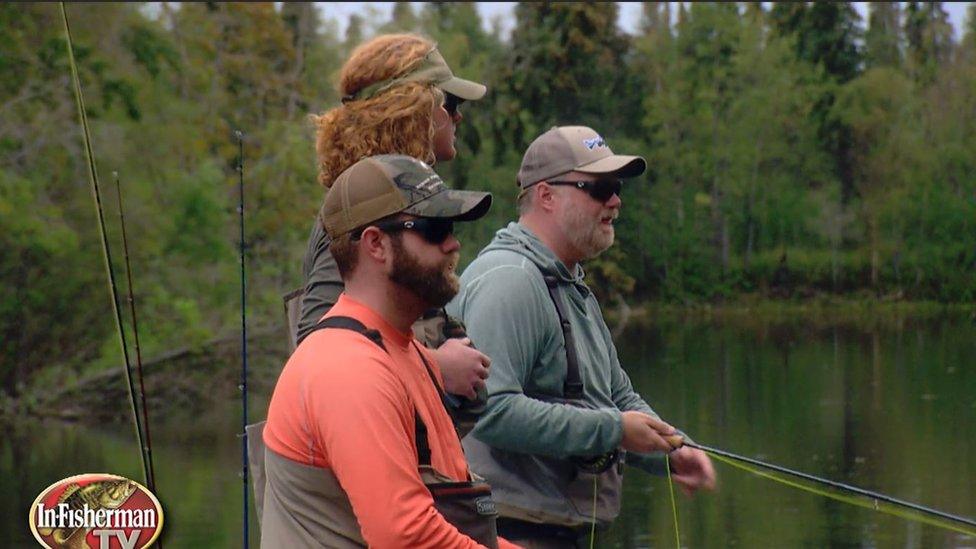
432, 230
452, 103
601, 190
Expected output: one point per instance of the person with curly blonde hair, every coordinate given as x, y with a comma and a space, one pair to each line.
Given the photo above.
398, 96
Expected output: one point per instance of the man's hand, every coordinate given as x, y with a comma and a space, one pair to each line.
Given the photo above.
464, 368
644, 434
692, 470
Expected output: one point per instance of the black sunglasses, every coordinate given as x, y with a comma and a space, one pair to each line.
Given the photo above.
433, 230
601, 190
452, 103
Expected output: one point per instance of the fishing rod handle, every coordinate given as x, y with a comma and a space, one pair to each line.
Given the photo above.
676, 441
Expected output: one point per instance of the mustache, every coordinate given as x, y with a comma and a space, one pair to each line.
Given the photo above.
451, 262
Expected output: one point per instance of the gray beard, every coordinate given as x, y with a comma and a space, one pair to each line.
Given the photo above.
589, 243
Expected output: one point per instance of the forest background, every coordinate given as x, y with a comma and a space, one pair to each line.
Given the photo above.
796, 152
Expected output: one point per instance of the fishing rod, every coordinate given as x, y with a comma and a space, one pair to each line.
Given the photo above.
928, 515
135, 334
243, 383
106, 253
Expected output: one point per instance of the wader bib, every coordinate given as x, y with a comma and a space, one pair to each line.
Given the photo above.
577, 477
305, 506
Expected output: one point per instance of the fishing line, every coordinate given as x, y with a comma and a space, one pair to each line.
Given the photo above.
674, 504
106, 254
878, 502
135, 334
243, 383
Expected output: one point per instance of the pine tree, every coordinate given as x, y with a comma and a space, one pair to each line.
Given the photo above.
355, 33
826, 34
564, 69
883, 37
402, 19
929, 35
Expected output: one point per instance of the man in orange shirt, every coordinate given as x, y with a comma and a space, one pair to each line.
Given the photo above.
359, 444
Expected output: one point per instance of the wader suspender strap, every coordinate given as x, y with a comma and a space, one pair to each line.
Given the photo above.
572, 387
423, 447
347, 323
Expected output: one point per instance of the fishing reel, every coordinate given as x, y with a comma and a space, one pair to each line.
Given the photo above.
596, 465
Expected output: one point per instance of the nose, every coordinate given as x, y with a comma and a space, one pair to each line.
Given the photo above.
456, 118
451, 244
614, 201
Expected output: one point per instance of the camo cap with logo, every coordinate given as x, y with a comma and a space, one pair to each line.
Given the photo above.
574, 148
431, 68
383, 185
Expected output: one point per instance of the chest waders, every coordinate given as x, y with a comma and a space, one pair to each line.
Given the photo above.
576, 492
467, 505
573, 386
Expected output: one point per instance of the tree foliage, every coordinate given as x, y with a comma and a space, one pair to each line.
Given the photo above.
792, 150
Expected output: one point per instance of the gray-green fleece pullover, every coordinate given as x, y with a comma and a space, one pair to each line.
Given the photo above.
510, 317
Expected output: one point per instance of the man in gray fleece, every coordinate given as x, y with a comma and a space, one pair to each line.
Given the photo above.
562, 413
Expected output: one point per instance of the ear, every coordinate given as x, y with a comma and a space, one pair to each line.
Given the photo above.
545, 196
373, 246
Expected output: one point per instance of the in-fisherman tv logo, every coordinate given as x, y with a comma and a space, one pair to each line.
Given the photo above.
96, 511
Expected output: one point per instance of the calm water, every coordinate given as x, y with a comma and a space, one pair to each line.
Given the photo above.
891, 409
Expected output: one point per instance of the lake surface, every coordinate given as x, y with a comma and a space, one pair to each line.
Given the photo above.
891, 408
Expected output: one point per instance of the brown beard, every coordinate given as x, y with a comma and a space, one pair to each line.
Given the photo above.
435, 285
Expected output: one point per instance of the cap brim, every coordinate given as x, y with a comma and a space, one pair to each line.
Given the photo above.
453, 204
619, 164
465, 89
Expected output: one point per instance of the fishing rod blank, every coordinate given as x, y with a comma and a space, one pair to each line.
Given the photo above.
135, 334
106, 253
834, 484
243, 384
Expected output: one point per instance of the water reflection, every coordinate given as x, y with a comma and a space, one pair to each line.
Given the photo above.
844, 403
891, 409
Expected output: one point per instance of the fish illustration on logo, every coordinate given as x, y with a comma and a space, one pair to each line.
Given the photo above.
96, 510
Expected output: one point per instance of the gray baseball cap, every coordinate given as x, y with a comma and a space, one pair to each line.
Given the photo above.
574, 148
382, 185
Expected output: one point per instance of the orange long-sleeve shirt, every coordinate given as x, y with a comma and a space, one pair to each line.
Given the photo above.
343, 404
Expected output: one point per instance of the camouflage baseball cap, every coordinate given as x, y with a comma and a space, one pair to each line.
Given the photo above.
431, 68
378, 186
574, 148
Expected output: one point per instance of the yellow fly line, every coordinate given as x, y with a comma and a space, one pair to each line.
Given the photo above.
674, 504
858, 500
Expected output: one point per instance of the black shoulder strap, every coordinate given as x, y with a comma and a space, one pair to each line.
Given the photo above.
423, 446
572, 387
420, 429
348, 323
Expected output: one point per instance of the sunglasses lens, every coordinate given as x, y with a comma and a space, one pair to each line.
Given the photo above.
436, 231
603, 190
451, 103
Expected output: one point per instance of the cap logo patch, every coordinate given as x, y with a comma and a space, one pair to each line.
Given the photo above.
594, 142
431, 183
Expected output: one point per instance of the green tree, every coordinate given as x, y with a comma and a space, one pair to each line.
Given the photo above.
54, 303
929, 35
826, 34
563, 68
875, 107
882, 42
403, 19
